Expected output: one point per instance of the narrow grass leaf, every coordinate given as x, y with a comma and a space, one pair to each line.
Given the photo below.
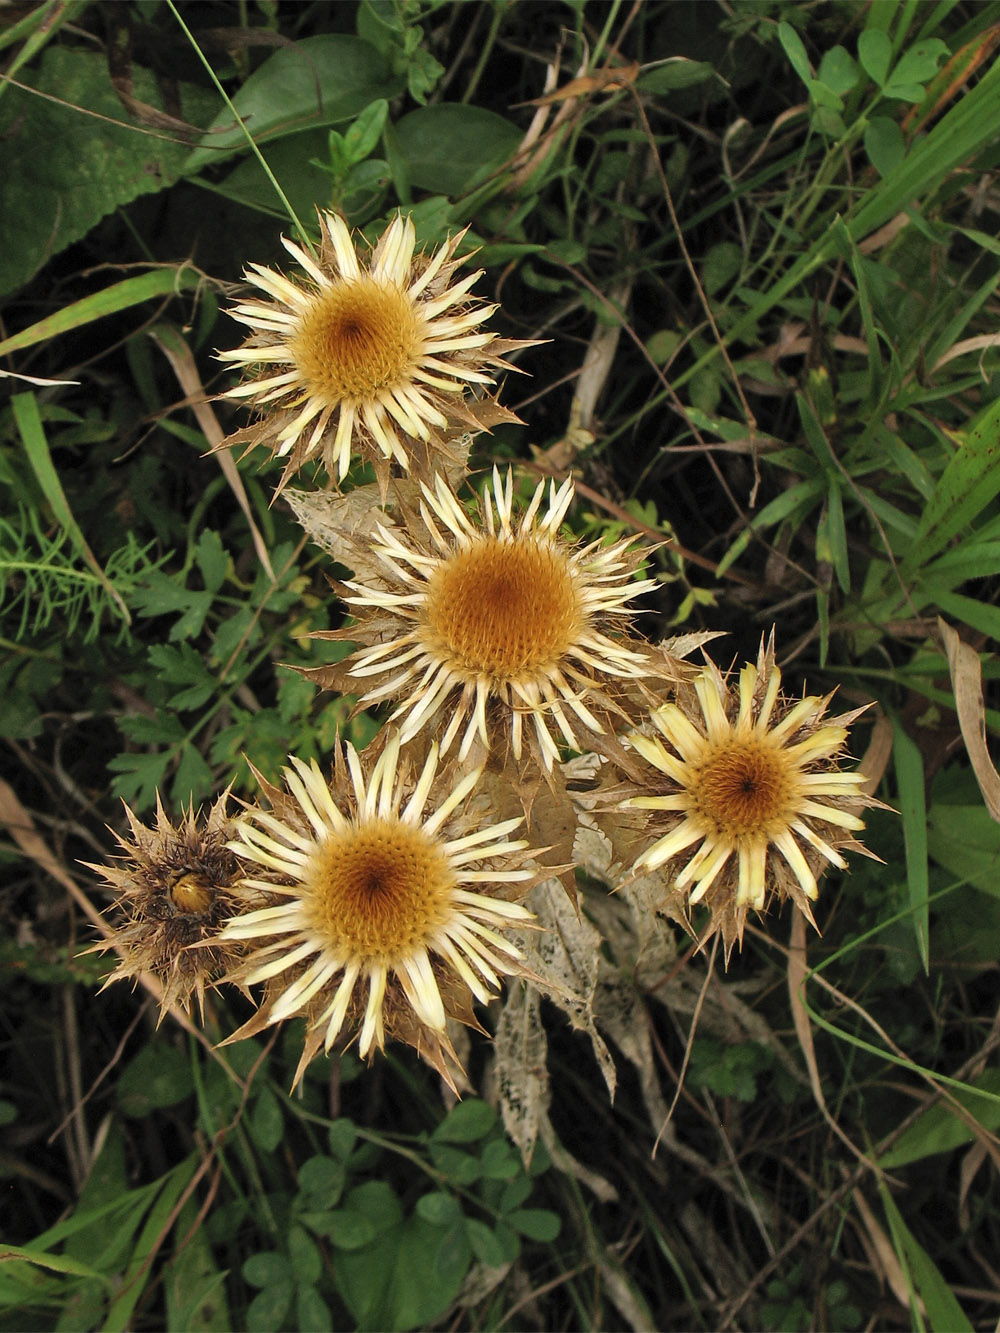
941, 1128
968, 484
122, 295
36, 446
943, 1310
909, 767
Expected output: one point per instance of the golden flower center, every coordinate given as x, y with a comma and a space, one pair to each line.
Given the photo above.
743, 787
379, 890
190, 894
355, 339
502, 608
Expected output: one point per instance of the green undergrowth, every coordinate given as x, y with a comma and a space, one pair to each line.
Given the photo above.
774, 228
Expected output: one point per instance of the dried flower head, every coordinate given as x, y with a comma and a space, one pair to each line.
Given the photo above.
176, 888
392, 881
500, 630
749, 798
362, 358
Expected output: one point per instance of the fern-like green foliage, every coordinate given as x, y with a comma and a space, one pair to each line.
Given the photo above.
42, 582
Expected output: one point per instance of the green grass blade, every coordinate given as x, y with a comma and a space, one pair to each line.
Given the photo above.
910, 777
943, 1310
968, 484
36, 446
129, 292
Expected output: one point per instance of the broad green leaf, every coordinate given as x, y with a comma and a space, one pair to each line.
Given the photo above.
449, 147
943, 1310
266, 1312
466, 1122
940, 1129
919, 63
305, 1257
884, 144
316, 81
160, 1075
267, 1121
536, 1223
875, 54
265, 1268
311, 1311
838, 70
62, 171
795, 51
673, 73
965, 840
968, 484
485, 1245
397, 1283
321, 1182
910, 780
294, 160
721, 264
440, 1208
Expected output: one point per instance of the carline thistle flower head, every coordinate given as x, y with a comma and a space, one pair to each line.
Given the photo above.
747, 798
496, 632
392, 899
361, 358
175, 888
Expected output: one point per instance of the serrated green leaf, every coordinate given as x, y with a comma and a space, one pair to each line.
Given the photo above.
160, 595
213, 559
183, 666
193, 780
52, 198
139, 777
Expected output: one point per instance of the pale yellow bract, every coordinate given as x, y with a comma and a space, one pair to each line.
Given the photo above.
755, 775
356, 353
501, 616
382, 889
